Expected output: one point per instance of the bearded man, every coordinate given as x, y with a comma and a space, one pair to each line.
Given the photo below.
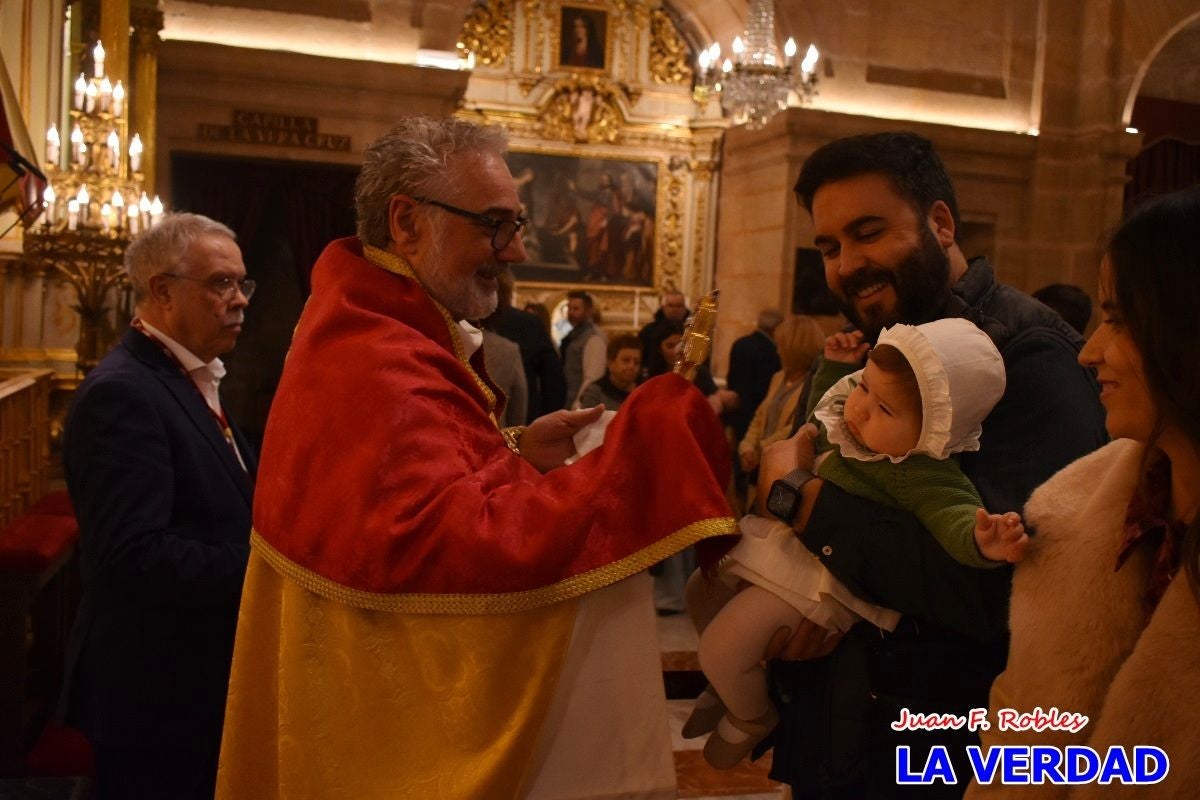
434, 607
886, 222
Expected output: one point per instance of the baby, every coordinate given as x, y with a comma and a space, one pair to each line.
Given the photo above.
889, 430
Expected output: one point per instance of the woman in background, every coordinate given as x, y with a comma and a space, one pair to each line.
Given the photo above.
799, 340
1105, 613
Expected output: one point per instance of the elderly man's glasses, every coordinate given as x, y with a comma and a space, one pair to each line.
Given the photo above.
222, 286
503, 230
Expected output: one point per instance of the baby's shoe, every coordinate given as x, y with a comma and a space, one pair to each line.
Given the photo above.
705, 714
734, 739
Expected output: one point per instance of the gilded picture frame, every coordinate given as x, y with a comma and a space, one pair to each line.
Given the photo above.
592, 220
582, 38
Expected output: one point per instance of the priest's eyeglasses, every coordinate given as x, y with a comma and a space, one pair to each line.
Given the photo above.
221, 286
503, 230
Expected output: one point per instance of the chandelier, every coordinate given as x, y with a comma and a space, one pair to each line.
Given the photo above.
93, 206
755, 84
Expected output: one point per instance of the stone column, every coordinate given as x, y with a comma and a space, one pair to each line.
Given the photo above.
1079, 170
147, 21
114, 32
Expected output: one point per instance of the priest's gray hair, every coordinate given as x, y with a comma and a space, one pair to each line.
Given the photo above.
161, 248
412, 159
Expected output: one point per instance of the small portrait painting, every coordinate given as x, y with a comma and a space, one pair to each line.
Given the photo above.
582, 34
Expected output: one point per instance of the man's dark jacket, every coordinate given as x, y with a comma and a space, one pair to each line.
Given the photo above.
543, 369
164, 514
753, 359
834, 739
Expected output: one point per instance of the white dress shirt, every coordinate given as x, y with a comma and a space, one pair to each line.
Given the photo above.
207, 377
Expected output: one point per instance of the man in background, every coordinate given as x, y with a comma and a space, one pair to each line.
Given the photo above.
544, 382
673, 307
161, 481
1071, 303
584, 347
753, 360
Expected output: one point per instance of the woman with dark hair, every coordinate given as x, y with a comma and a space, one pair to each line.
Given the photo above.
1105, 613
664, 349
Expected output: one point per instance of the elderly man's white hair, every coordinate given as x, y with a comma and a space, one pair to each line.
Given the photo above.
769, 319
160, 249
412, 159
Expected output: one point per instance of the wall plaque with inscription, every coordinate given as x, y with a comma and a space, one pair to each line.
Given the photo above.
273, 130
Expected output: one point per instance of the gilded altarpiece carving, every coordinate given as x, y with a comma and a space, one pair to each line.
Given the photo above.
596, 97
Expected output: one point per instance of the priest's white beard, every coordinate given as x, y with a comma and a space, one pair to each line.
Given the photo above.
463, 298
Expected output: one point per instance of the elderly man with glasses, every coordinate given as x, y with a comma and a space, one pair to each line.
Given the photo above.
436, 607
161, 481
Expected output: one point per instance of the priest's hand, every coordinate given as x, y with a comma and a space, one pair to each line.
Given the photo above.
549, 440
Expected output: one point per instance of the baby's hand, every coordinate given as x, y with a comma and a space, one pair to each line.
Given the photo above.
1000, 537
846, 348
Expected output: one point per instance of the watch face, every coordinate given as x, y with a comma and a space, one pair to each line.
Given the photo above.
778, 499
782, 501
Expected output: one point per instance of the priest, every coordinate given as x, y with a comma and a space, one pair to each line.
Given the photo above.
434, 606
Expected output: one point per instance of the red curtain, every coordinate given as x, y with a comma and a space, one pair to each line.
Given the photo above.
284, 213
1170, 156
315, 201
1163, 167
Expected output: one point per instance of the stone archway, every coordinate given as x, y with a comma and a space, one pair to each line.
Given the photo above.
1164, 107
1186, 22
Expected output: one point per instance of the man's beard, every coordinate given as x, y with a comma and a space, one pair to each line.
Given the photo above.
921, 282
463, 298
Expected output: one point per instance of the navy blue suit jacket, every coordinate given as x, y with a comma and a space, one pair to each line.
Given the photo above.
753, 360
164, 515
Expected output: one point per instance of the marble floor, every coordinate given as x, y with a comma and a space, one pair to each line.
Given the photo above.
694, 778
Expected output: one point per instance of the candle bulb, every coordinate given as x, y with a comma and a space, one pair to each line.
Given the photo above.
809, 64
84, 200
105, 99
114, 150
106, 213
53, 146
144, 207
72, 214
727, 67
739, 47
156, 211
98, 59
135, 153
118, 207
90, 97
703, 59
789, 51
80, 88
118, 100
48, 201
78, 148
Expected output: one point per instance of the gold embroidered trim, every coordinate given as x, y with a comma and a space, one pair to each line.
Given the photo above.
507, 603
512, 437
398, 266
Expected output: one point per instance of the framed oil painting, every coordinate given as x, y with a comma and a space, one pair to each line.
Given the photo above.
592, 220
583, 38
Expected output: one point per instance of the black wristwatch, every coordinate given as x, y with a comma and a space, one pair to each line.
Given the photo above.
784, 499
